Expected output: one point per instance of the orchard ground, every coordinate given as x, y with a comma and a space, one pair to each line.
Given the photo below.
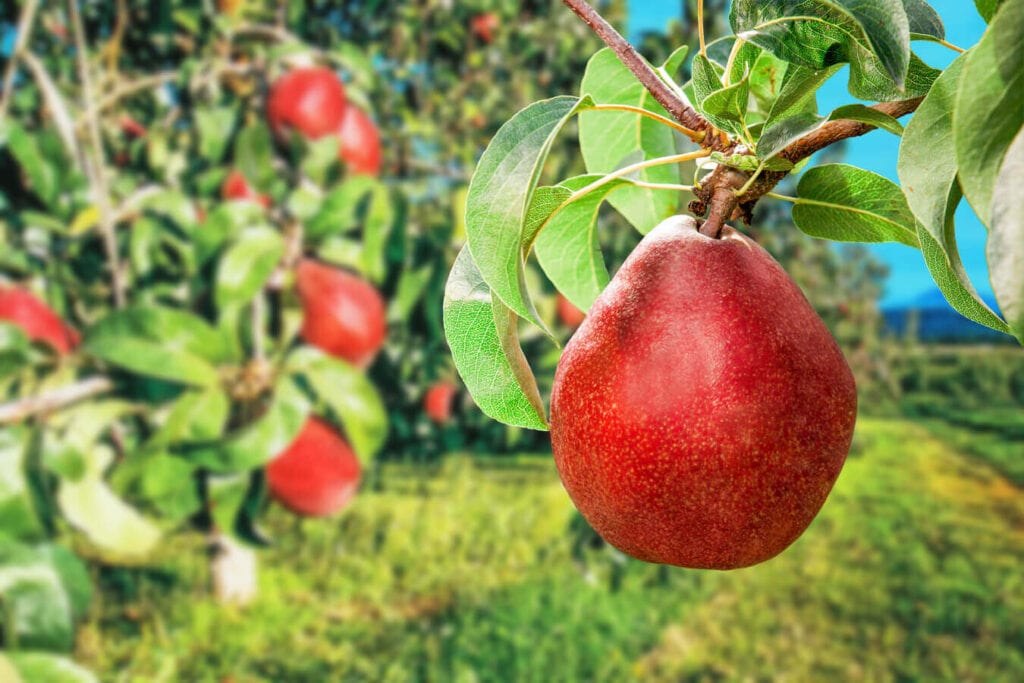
478, 569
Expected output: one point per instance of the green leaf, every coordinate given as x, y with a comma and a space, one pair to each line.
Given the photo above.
782, 132
923, 20
766, 78
197, 415
943, 261
115, 529
797, 93
160, 342
36, 605
257, 443
568, 249
988, 111
865, 114
247, 265
214, 125
1005, 249
819, 33
927, 171
224, 223
73, 574
254, 155
481, 333
17, 510
868, 81
412, 283
610, 139
724, 107
39, 666
848, 204
42, 177
500, 193
987, 8
349, 394
727, 108
319, 158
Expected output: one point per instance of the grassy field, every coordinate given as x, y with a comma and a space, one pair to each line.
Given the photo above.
480, 571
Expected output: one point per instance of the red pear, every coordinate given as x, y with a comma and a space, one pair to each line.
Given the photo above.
131, 127
568, 313
702, 412
317, 475
484, 26
309, 100
36, 319
360, 142
342, 314
438, 401
237, 187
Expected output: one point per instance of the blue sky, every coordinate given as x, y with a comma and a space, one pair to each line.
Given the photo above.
877, 151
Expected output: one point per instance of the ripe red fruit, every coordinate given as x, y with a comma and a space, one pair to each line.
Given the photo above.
484, 26
131, 127
237, 187
702, 412
317, 475
568, 313
36, 319
360, 142
309, 100
342, 314
438, 401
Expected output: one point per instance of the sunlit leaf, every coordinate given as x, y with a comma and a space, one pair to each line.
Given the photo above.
848, 204
44, 666
349, 394
988, 110
246, 266
610, 140
500, 193
927, 171
482, 335
819, 33
113, 528
258, 442
1005, 247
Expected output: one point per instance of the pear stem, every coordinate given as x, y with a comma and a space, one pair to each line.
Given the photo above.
680, 110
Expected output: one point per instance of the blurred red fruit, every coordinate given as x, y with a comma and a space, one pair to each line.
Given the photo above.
131, 127
310, 100
360, 142
237, 187
317, 475
569, 314
343, 315
438, 402
484, 26
36, 319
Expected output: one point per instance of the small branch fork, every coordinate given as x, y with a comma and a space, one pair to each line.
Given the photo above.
719, 196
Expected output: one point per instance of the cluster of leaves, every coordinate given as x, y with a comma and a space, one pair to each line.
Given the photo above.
758, 87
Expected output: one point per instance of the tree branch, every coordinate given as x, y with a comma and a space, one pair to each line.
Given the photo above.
834, 131
715, 191
628, 55
23, 408
28, 15
95, 167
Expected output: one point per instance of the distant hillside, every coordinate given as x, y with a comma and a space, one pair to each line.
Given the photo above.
936, 321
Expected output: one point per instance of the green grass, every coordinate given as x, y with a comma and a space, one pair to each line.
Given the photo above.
477, 571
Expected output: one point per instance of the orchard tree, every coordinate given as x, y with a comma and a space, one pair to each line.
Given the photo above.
702, 411
190, 295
